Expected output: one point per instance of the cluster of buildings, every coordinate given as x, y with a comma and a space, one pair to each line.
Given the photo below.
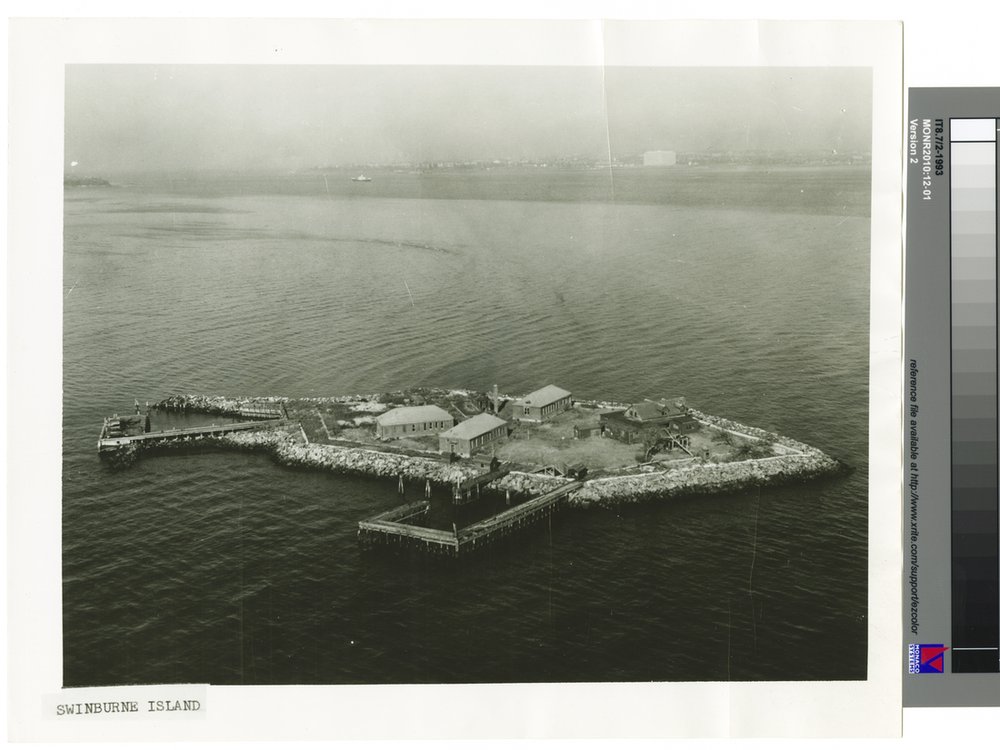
476, 432
669, 418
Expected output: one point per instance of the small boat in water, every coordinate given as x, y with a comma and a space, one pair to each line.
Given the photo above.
361, 178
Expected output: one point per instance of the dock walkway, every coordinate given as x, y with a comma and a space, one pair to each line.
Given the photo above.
106, 444
464, 490
389, 528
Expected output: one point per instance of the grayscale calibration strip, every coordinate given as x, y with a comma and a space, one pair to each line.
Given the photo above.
951, 534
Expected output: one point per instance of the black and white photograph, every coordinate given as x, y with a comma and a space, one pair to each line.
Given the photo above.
435, 297
396, 373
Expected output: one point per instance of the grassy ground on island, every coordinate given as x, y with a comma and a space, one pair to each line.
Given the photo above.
350, 421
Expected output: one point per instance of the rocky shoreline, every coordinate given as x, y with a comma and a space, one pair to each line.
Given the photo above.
800, 463
286, 450
708, 478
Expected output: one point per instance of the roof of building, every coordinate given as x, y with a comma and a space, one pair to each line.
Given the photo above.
473, 427
647, 409
673, 407
411, 414
544, 396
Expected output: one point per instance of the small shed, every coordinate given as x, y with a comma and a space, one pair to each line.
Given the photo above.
412, 421
472, 434
581, 431
542, 404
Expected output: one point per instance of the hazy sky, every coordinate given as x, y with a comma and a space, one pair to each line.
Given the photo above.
125, 117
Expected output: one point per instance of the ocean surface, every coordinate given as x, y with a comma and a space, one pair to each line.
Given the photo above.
744, 290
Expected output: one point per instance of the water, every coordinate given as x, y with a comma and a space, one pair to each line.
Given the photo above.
745, 291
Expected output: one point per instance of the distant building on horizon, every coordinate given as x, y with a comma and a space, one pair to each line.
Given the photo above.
659, 159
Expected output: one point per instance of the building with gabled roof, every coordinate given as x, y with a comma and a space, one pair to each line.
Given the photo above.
648, 410
412, 421
472, 434
542, 404
669, 416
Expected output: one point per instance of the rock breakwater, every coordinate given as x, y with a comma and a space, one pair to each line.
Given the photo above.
707, 478
216, 405
797, 463
288, 450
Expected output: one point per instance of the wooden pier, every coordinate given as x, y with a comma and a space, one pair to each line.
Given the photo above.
509, 521
110, 439
390, 528
263, 411
468, 490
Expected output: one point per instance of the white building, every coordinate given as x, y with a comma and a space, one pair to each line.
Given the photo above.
659, 158
467, 437
411, 421
542, 404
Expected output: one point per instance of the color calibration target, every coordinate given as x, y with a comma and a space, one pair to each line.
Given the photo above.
951, 487
975, 543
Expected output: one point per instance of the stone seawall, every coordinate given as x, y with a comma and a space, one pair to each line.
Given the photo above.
756, 432
800, 463
707, 478
216, 405
527, 483
286, 450
692, 479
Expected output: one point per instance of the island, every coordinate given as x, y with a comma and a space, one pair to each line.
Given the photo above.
616, 452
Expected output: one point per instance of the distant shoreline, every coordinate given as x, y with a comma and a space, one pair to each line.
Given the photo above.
816, 190
69, 181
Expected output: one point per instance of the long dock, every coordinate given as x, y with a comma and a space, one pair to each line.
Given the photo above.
107, 444
390, 528
508, 521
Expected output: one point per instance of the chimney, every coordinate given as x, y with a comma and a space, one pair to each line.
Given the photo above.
496, 400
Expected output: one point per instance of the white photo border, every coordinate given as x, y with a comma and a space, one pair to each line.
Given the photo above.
40, 48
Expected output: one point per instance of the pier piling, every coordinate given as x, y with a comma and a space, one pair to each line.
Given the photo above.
463, 491
398, 527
